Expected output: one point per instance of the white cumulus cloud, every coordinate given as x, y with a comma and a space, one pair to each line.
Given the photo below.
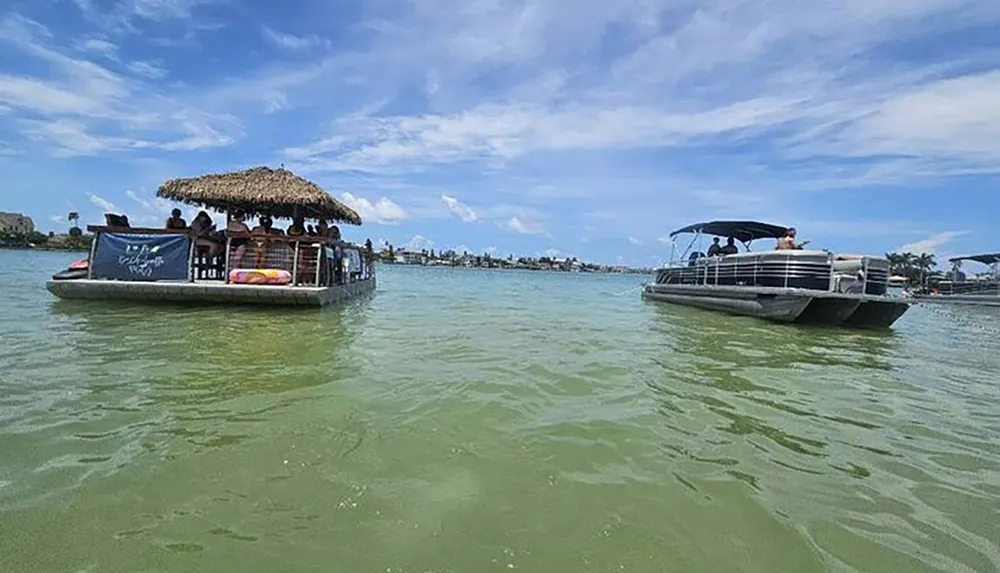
418, 242
383, 211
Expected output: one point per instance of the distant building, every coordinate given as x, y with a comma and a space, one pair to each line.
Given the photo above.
16, 223
411, 257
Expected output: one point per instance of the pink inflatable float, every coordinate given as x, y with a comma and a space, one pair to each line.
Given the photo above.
260, 277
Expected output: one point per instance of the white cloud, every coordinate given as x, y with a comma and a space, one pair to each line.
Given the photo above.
383, 211
491, 251
100, 46
293, 42
151, 70
516, 225
508, 131
69, 138
459, 209
102, 203
552, 253
932, 244
81, 108
634, 241
418, 242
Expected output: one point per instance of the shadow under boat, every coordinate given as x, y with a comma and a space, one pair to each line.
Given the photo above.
811, 287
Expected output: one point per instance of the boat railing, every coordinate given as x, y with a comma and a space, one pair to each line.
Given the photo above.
987, 287
308, 260
311, 261
814, 270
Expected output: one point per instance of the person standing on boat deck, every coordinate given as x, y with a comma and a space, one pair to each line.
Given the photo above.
787, 243
715, 250
176, 222
730, 248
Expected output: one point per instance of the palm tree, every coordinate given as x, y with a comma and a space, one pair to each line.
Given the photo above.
74, 218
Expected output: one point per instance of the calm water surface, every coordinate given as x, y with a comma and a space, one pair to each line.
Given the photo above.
468, 421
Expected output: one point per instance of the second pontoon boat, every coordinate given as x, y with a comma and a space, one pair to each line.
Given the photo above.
806, 286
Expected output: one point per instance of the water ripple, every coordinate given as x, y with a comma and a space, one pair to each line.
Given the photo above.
476, 420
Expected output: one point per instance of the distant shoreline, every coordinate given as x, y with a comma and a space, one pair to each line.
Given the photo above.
50, 249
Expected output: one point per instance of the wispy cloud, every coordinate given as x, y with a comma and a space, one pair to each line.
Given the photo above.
100, 46
459, 209
383, 211
932, 244
151, 70
516, 225
635, 241
288, 41
83, 108
102, 203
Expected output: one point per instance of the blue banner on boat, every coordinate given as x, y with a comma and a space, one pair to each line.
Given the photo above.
141, 257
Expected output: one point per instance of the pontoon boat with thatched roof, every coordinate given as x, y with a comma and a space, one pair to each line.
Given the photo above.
805, 286
199, 264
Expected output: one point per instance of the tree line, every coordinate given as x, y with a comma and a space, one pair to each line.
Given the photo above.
917, 269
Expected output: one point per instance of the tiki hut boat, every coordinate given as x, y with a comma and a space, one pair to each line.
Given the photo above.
223, 267
804, 286
958, 288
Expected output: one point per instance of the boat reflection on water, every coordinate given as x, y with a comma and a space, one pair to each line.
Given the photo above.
738, 393
193, 354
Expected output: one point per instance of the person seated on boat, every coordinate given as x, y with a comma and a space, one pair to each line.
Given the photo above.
204, 230
176, 222
322, 228
715, 249
265, 226
239, 245
787, 243
730, 248
297, 228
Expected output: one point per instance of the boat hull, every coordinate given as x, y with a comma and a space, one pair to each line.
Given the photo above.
207, 292
785, 305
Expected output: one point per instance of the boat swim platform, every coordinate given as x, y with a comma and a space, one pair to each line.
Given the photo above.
778, 304
208, 292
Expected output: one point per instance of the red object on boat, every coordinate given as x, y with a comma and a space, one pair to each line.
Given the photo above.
79, 265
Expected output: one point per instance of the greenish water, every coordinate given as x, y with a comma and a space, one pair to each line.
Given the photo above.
467, 421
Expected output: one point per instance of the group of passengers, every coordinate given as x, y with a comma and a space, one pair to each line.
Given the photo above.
785, 243
212, 242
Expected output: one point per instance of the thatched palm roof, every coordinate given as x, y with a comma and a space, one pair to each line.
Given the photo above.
259, 191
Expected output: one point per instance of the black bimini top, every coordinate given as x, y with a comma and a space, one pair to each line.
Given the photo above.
988, 259
742, 231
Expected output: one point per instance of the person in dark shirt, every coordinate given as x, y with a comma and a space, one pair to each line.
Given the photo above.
715, 250
176, 222
730, 248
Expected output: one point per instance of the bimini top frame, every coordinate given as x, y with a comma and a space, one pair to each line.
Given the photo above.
745, 232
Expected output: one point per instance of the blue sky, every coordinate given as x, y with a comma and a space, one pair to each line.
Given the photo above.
579, 127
